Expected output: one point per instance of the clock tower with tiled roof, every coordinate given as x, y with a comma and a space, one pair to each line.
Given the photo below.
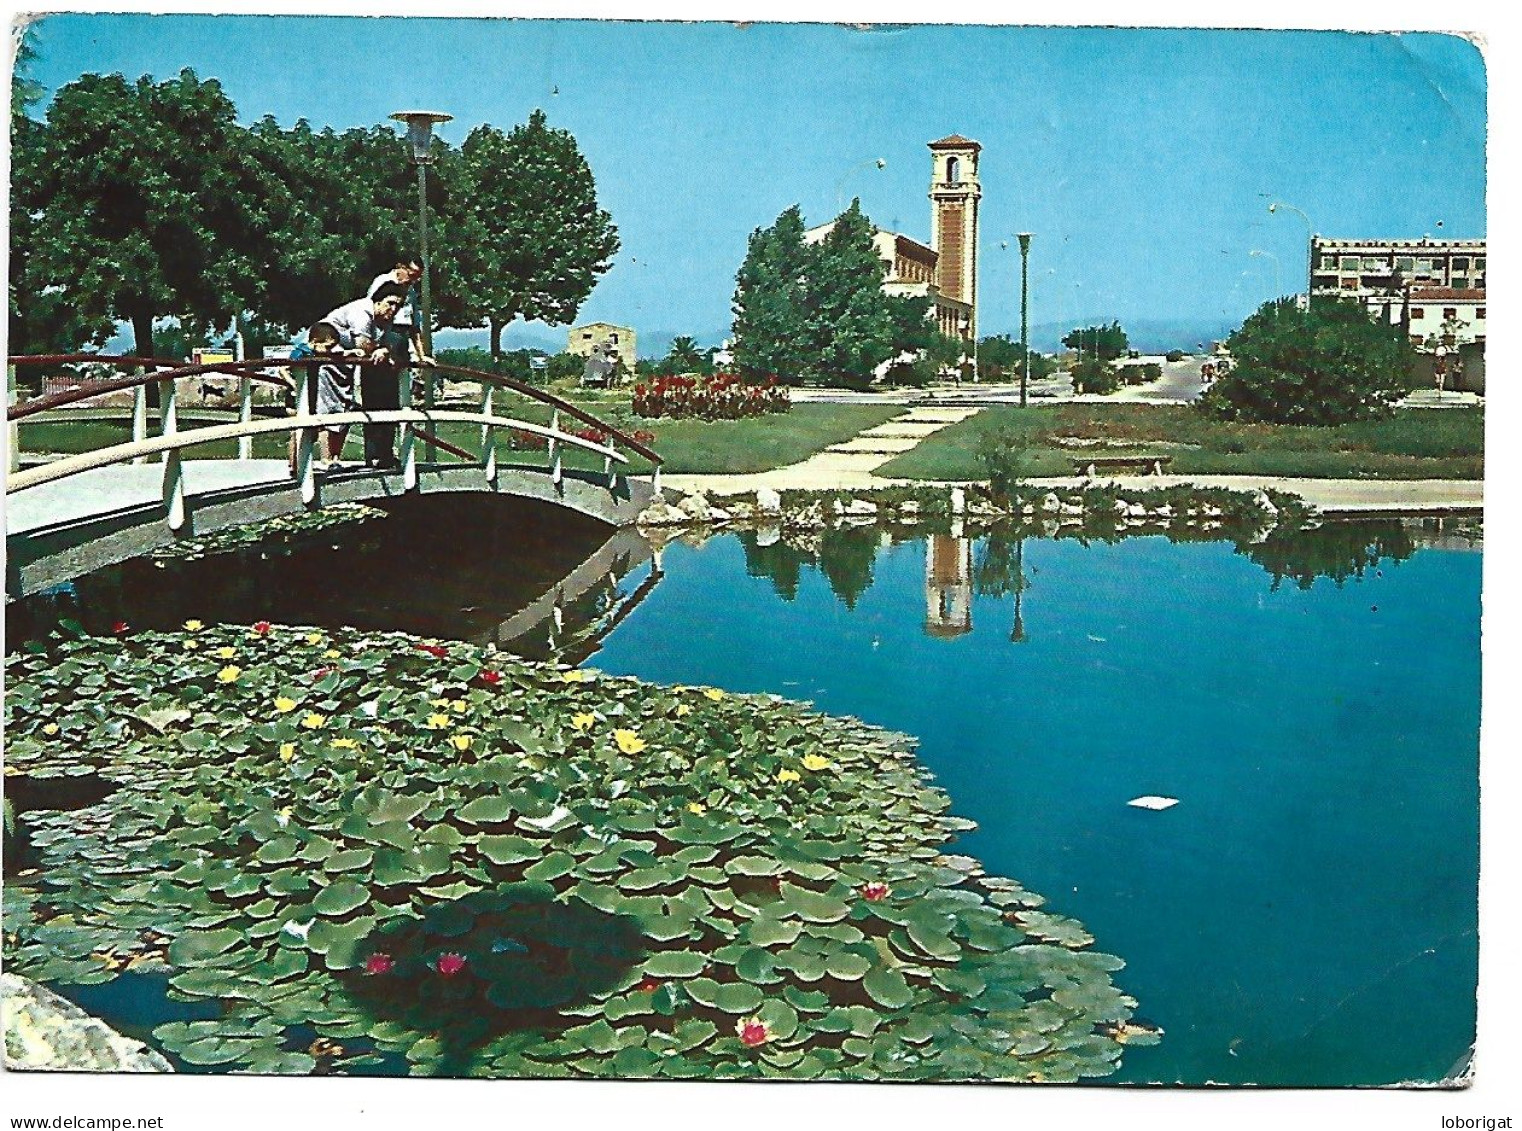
954, 196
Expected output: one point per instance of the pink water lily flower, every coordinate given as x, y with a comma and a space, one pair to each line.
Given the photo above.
875, 892
379, 963
753, 1031
262, 627
450, 964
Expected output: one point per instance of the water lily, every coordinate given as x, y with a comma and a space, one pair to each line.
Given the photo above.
683, 710
491, 678
261, 628
815, 762
331, 654
229, 674
785, 776
50, 729
459, 706
120, 627
875, 892
344, 744
314, 721
226, 653
628, 741
575, 675
287, 751
298, 930
437, 722
322, 673
583, 721
193, 626
713, 693
437, 651
649, 986
379, 963
440, 703
697, 808
314, 638
461, 742
190, 645
284, 704
450, 964
753, 1032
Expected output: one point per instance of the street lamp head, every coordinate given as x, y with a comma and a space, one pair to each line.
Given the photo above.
1025, 241
420, 125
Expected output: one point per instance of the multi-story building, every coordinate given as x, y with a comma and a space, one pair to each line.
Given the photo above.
1437, 286
584, 339
946, 270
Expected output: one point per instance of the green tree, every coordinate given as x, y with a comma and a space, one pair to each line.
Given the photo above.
769, 301
683, 356
850, 323
1105, 343
543, 240
1331, 364
154, 204
1001, 354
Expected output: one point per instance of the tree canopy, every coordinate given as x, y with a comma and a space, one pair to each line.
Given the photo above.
1330, 364
1104, 343
816, 312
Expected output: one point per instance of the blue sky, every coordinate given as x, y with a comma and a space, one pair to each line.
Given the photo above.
1143, 160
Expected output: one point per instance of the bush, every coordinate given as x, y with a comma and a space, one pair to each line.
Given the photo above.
720, 397
1331, 364
1092, 376
1175, 355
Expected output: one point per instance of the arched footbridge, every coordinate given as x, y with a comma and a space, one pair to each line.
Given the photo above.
70, 515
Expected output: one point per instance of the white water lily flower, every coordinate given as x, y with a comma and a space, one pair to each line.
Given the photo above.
543, 824
372, 708
298, 930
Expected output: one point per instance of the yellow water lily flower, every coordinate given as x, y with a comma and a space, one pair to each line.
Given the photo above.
697, 807
461, 742
437, 722
287, 751
438, 702
190, 645
314, 638
226, 653
314, 721
284, 704
785, 776
193, 626
815, 762
460, 705
683, 710
344, 744
332, 654
575, 675
713, 693
583, 721
50, 729
628, 741
229, 674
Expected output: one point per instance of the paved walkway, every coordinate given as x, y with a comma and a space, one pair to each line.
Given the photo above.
848, 465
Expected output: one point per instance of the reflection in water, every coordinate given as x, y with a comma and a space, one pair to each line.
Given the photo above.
948, 585
1343, 550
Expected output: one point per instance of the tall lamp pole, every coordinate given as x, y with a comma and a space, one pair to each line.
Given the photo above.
420, 125
1025, 337
1310, 238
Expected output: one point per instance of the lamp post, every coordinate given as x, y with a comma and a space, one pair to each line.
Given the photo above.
420, 125
1025, 336
840, 185
1310, 237
1257, 253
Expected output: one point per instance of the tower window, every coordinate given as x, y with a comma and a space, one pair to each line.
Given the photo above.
953, 170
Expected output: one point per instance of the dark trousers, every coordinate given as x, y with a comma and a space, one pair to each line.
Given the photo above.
379, 391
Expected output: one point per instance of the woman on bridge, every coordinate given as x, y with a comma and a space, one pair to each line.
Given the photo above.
360, 325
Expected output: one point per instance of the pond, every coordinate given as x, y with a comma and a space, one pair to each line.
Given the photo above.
1304, 915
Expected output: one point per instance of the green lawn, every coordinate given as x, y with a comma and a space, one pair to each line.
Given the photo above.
1414, 444
688, 446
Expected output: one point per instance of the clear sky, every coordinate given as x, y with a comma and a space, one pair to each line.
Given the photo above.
1142, 160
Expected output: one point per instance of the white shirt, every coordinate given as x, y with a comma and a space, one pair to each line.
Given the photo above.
354, 320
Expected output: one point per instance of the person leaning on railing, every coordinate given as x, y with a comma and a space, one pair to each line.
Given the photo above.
360, 325
379, 388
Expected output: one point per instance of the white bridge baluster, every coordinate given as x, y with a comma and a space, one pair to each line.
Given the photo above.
488, 437
174, 473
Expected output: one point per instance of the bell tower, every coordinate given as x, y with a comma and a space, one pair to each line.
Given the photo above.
954, 196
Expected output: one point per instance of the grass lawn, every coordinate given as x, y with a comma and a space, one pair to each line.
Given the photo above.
1413, 444
689, 446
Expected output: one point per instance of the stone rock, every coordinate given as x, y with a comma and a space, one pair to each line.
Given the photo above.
768, 501
860, 508
810, 517
719, 514
1050, 502
909, 508
48, 1033
695, 506
1265, 504
1164, 511
1070, 510
768, 535
662, 514
740, 512
1135, 510
1121, 508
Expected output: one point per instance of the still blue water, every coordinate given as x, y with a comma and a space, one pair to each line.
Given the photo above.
1306, 915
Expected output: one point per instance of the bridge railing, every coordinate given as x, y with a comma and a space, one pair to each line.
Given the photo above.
172, 439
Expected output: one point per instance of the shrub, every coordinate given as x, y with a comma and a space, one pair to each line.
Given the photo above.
1092, 376
1175, 355
1331, 364
720, 397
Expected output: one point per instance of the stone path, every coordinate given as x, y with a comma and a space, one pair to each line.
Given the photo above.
848, 465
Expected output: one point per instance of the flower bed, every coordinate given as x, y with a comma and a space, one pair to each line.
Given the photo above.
720, 397
437, 857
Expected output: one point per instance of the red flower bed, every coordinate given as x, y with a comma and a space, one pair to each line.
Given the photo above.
720, 397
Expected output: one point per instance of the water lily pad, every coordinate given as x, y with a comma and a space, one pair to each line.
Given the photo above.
675, 964
195, 948
340, 897
486, 810
509, 849
888, 988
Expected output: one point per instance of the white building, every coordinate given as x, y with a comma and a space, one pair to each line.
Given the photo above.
1438, 284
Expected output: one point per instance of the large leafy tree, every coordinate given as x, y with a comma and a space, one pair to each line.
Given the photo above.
540, 240
817, 312
685, 357
1331, 364
152, 204
1104, 343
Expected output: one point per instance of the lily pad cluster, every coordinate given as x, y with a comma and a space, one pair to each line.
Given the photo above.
374, 853
273, 535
